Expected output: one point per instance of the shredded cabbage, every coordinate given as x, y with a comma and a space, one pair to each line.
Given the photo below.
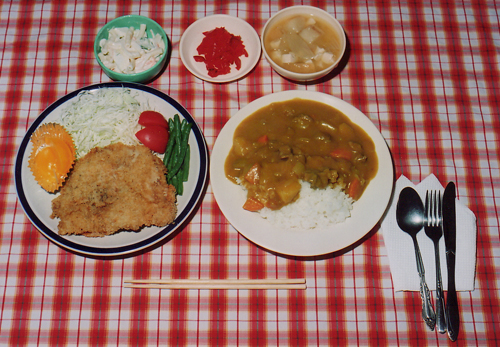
102, 117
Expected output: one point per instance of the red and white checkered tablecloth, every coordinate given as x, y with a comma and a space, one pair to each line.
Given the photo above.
427, 73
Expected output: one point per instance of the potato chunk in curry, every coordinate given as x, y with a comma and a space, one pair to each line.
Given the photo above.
294, 140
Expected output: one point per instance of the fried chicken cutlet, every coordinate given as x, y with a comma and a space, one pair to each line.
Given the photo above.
115, 188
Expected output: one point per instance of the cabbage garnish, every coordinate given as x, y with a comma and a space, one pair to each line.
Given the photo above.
102, 117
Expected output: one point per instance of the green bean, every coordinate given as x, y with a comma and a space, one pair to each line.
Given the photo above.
175, 183
185, 130
183, 173
168, 150
183, 144
185, 165
178, 153
180, 186
178, 140
175, 140
170, 143
175, 169
177, 121
174, 160
184, 125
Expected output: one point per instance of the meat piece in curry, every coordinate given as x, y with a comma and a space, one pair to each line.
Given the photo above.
294, 140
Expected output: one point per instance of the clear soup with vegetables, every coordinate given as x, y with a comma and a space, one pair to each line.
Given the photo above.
294, 140
303, 43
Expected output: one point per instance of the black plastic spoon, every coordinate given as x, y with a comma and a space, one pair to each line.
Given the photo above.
410, 218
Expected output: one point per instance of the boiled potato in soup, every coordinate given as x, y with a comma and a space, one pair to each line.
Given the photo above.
303, 44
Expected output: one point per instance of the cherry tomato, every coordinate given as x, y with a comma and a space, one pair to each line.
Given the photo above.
152, 118
154, 137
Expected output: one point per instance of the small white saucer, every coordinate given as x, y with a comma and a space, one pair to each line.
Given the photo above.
193, 36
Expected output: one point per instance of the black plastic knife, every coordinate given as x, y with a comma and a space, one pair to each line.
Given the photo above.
450, 233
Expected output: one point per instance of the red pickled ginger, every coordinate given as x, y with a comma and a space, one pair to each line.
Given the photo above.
220, 49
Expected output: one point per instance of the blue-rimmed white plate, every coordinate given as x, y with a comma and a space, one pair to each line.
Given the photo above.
36, 202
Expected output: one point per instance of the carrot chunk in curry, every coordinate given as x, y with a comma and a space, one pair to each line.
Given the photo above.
304, 140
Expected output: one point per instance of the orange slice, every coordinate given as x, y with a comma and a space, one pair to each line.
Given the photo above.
52, 156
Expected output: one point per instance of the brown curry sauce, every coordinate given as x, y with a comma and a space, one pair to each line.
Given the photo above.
294, 140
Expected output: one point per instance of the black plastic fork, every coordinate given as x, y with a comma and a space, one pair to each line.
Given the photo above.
434, 230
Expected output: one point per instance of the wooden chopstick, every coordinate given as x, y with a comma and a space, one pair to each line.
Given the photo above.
297, 283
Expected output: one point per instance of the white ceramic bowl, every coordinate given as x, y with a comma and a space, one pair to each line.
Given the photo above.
192, 37
294, 10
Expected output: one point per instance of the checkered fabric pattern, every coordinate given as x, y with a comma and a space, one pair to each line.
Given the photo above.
427, 73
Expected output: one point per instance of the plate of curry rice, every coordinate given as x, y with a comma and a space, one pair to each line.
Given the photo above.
270, 223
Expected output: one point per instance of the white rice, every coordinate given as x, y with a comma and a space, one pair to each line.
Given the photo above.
315, 208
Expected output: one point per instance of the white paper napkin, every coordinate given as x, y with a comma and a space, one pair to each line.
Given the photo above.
401, 251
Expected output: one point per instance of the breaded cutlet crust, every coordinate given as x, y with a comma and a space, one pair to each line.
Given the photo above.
115, 188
